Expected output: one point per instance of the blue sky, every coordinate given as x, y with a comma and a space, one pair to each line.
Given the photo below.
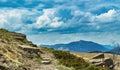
62, 21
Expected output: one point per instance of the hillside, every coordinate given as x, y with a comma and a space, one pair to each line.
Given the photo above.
17, 53
89, 56
80, 46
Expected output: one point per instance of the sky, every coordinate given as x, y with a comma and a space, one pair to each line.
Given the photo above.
62, 21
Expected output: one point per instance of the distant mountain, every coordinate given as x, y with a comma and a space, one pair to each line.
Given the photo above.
109, 46
80, 46
115, 50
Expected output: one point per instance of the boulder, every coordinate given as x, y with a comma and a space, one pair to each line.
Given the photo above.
30, 49
99, 56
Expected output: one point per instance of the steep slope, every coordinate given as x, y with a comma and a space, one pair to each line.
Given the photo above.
11, 56
17, 53
79, 46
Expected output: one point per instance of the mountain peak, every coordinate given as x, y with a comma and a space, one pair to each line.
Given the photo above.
80, 46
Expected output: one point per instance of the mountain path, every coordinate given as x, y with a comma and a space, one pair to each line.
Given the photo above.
50, 66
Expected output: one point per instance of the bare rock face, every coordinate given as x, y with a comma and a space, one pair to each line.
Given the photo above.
18, 36
108, 62
30, 49
22, 37
99, 56
101, 60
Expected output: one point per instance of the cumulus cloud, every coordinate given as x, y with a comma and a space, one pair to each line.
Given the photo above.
106, 17
12, 19
48, 20
64, 17
18, 20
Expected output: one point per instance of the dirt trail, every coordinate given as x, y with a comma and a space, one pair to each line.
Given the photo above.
43, 67
37, 66
47, 66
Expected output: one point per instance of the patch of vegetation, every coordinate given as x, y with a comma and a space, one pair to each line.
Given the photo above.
69, 60
12, 37
62, 67
39, 60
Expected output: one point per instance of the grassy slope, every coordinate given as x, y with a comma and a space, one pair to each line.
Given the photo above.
69, 60
10, 53
88, 56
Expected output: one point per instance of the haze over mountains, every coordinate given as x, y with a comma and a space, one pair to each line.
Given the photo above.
81, 46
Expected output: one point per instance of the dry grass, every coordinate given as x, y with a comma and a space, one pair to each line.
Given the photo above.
9, 52
90, 55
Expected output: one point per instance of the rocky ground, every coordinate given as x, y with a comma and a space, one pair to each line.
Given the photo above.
88, 56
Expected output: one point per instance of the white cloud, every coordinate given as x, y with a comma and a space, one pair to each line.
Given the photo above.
106, 17
56, 23
55, 38
40, 6
48, 19
2, 20
78, 13
12, 19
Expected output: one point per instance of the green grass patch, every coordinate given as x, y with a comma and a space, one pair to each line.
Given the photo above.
39, 60
69, 60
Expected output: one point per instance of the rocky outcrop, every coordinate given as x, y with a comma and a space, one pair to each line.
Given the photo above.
16, 52
30, 49
98, 56
101, 60
18, 36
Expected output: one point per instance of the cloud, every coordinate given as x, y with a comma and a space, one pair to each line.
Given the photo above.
10, 17
65, 17
13, 19
55, 23
55, 38
24, 20
48, 20
56, 20
106, 17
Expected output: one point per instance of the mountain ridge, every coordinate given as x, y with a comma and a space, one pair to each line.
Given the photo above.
80, 46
